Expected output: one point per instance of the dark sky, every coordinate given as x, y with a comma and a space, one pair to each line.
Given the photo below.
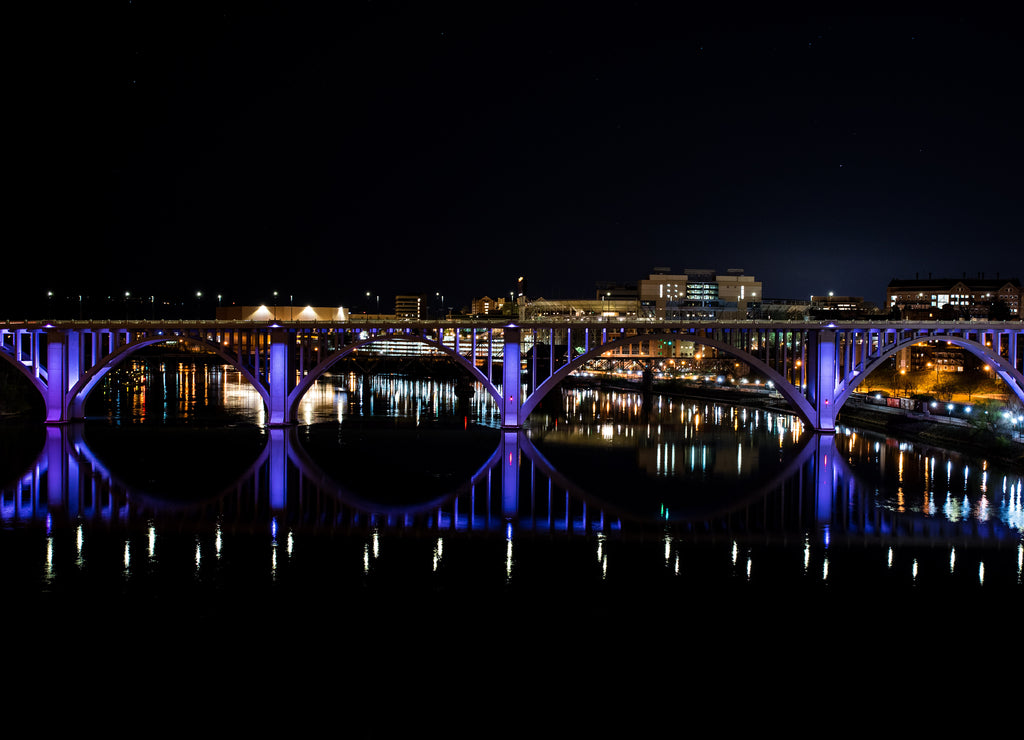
243, 148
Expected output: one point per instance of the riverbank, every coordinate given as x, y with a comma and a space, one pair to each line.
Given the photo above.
943, 433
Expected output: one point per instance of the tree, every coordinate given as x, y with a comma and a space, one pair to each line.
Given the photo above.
945, 385
970, 382
999, 311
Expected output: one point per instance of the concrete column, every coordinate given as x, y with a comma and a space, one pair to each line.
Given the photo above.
279, 378
56, 376
510, 379
821, 377
74, 355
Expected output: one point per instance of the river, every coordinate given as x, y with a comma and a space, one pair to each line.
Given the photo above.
399, 530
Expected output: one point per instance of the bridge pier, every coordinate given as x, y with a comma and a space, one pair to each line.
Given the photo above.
511, 378
57, 376
821, 378
280, 379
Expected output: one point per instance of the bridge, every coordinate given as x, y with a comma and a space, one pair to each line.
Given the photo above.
815, 366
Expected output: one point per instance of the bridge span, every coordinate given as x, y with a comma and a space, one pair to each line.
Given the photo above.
815, 366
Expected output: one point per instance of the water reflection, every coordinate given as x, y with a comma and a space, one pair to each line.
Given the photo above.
397, 486
569, 480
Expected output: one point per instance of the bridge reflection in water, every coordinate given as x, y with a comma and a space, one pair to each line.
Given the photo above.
807, 489
763, 556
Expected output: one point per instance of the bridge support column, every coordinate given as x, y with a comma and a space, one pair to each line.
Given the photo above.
279, 378
59, 369
821, 378
511, 380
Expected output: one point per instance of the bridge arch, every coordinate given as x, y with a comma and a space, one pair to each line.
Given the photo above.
1002, 368
800, 405
79, 392
25, 371
306, 382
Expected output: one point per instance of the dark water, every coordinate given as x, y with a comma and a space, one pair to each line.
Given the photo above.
396, 539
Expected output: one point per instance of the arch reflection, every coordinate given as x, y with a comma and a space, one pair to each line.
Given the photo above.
814, 488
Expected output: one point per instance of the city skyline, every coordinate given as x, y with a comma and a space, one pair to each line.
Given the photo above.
401, 149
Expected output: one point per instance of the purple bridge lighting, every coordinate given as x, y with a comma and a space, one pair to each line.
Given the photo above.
815, 366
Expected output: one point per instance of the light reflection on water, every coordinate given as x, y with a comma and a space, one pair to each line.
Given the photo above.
633, 480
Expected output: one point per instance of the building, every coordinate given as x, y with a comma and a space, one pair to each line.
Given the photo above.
487, 306
840, 307
410, 306
282, 313
952, 298
577, 308
607, 290
791, 309
698, 293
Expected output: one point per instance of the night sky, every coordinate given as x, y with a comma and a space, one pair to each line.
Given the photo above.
242, 148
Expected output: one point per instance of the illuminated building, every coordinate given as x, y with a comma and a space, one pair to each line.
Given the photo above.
951, 298
409, 306
487, 306
282, 313
698, 293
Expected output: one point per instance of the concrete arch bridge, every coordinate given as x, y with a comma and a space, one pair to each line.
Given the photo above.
815, 366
